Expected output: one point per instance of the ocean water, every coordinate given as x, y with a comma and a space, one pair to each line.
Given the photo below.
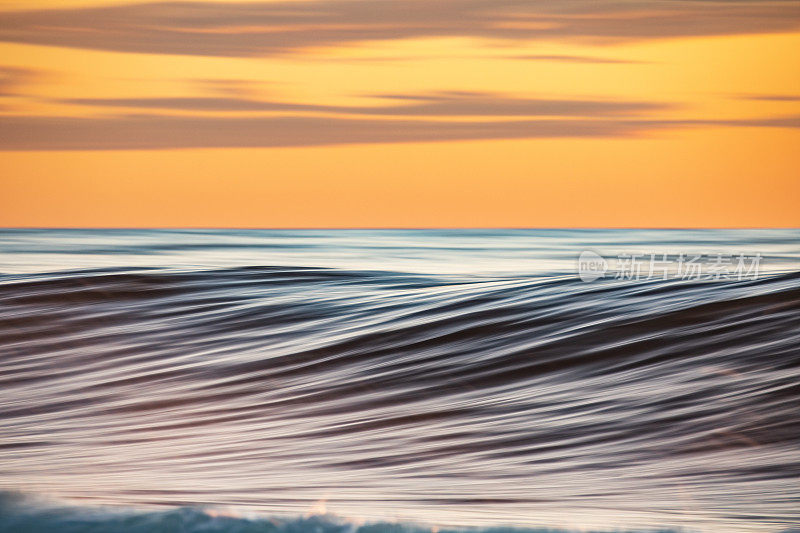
398, 381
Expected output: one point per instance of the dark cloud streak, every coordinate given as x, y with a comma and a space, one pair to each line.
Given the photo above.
444, 104
269, 28
574, 59
148, 132
12, 78
169, 132
773, 97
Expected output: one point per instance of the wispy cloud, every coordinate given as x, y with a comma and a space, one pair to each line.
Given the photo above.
145, 132
12, 78
228, 87
440, 104
573, 59
773, 97
767, 122
253, 29
164, 132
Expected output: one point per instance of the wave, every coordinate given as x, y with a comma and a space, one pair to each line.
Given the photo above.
18, 514
494, 399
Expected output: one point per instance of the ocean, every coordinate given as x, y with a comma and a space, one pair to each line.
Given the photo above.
390, 381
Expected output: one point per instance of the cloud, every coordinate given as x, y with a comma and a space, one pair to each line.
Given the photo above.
773, 97
145, 132
12, 78
773, 122
442, 104
573, 59
228, 87
269, 28
164, 132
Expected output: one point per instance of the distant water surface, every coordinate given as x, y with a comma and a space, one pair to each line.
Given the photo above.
451, 378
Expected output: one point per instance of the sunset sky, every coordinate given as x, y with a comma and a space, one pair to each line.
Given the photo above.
400, 113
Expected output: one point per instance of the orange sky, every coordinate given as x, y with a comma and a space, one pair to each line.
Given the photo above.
402, 113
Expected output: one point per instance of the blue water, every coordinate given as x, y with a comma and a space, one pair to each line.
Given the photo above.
332, 381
